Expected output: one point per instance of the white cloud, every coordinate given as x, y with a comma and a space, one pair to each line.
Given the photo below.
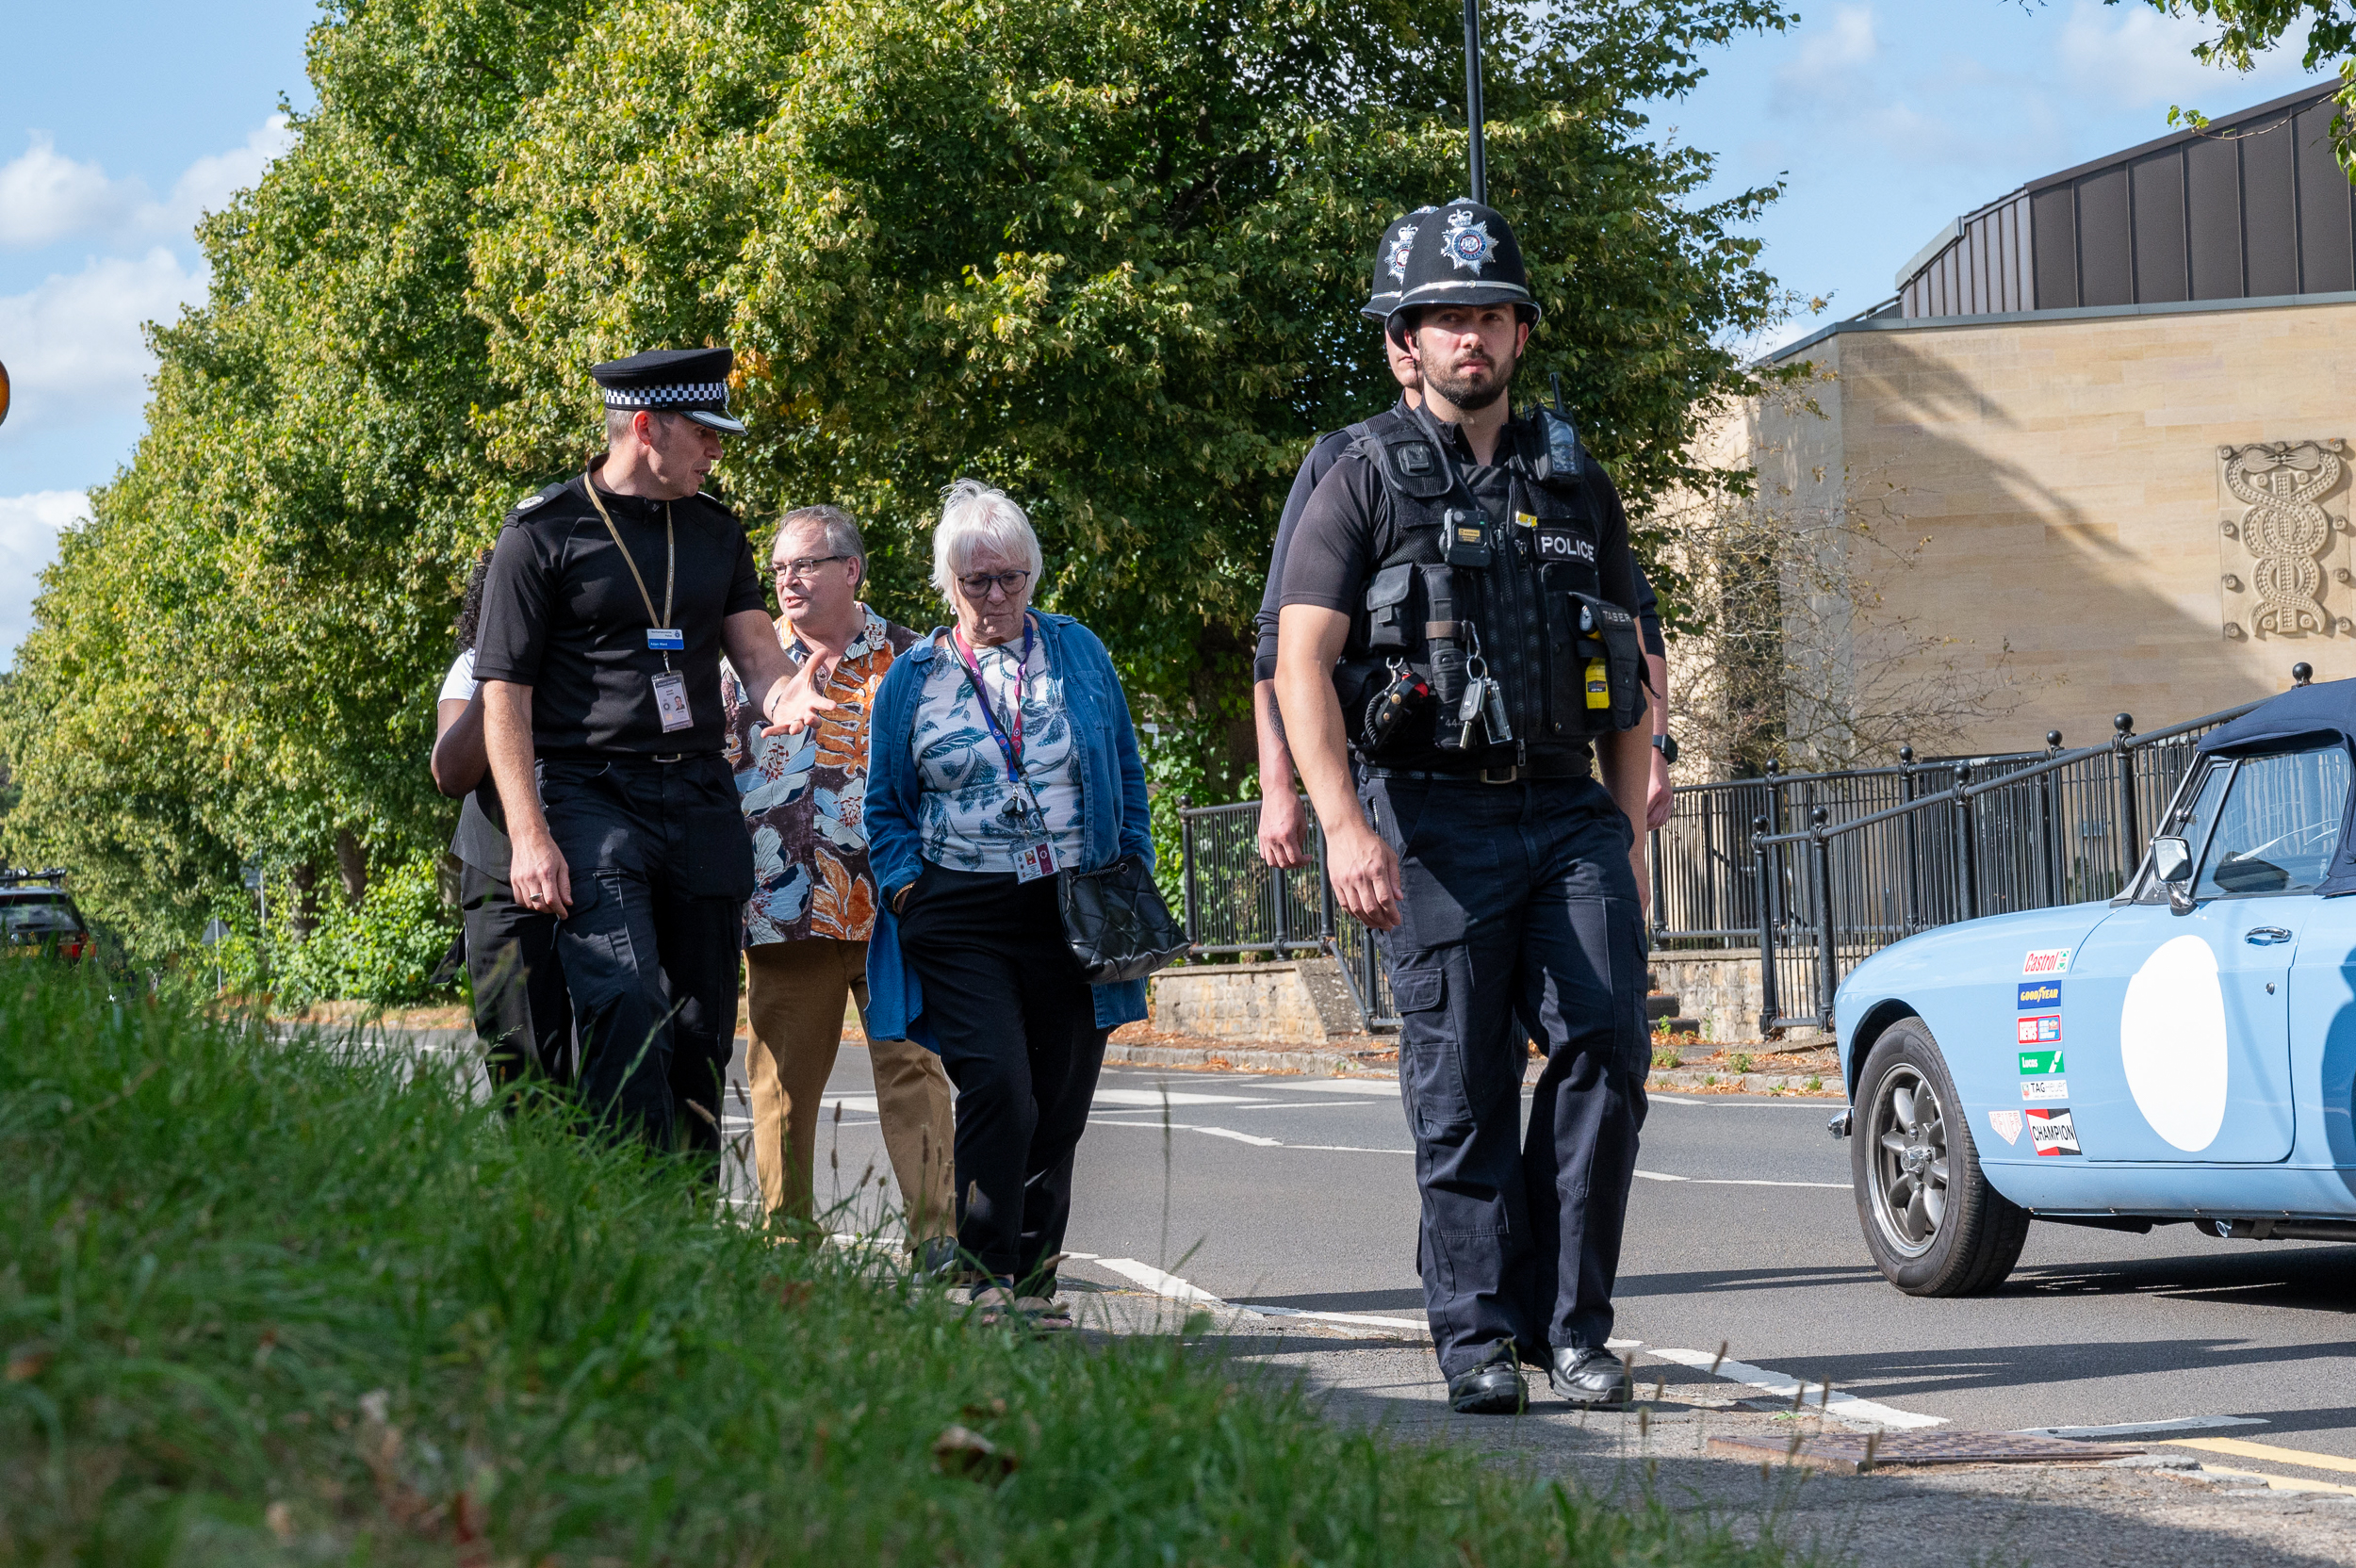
46, 197
2140, 57
29, 543
73, 345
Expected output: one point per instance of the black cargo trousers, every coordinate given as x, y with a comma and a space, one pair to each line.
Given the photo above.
1520, 923
660, 865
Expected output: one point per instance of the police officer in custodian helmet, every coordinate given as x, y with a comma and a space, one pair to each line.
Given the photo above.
1459, 667
611, 598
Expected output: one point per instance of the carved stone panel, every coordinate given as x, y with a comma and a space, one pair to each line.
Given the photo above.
2286, 563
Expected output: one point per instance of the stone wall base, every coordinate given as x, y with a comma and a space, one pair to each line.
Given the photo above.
1299, 1002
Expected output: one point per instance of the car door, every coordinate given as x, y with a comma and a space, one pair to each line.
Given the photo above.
2181, 1021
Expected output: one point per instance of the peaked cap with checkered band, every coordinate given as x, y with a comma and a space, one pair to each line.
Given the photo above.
689, 382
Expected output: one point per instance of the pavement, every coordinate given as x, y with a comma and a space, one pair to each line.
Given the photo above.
1274, 1216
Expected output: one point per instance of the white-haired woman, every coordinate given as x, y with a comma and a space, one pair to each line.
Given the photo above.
1001, 752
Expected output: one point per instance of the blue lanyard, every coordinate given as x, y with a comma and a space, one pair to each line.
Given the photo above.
1010, 745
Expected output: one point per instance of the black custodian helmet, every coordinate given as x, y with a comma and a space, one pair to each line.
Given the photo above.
1464, 255
1390, 263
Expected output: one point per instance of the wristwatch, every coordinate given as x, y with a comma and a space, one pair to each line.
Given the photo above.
1667, 747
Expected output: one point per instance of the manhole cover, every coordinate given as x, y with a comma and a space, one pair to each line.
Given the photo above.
1848, 1453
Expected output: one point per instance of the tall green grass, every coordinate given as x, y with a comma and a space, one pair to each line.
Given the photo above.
281, 1302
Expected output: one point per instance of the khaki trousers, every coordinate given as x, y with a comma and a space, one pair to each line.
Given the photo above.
795, 1002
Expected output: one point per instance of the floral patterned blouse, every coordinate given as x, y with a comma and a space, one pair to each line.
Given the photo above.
805, 796
963, 812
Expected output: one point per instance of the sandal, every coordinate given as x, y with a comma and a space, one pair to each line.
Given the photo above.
995, 1304
1047, 1314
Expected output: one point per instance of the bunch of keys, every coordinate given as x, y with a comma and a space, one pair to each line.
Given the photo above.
1483, 701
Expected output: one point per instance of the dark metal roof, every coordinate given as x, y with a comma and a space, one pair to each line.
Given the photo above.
2255, 206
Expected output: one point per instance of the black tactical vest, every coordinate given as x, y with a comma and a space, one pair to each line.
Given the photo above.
1485, 644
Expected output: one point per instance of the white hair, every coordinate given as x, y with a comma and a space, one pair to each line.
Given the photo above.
973, 515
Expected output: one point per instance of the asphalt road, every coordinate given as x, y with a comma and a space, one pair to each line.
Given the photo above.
1298, 1194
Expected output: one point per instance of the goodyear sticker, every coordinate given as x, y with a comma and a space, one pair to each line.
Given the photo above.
2046, 960
2045, 1029
2038, 996
2041, 1064
2006, 1125
2044, 1088
2051, 1131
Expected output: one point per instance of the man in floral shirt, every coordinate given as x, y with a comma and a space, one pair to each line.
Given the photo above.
813, 903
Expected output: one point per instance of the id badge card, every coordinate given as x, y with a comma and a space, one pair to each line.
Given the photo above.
662, 638
670, 701
1034, 861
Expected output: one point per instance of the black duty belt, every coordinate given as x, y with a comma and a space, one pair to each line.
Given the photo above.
1527, 773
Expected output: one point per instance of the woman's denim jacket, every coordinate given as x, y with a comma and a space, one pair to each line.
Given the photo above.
1112, 808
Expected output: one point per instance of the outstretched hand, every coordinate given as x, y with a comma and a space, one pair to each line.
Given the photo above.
794, 704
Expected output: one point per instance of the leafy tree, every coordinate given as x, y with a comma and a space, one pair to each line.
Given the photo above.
1104, 252
2248, 28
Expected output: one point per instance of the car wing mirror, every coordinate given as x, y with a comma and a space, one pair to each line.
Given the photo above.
2172, 861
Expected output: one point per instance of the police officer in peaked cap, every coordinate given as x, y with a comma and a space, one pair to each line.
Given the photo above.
611, 599
1458, 665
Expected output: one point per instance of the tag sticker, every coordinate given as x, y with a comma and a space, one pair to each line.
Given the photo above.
670, 701
664, 637
2045, 1088
1034, 861
2046, 960
2006, 1125
2053, 1132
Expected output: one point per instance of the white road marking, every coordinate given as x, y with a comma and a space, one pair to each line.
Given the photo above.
1811, 1103
1736, 1181
1171, 1287
1337, 1085
1156, 1098
2131, 1428
1842, 1407
848, 1102
1251, 1138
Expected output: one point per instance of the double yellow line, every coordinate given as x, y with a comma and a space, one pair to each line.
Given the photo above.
2242, 1448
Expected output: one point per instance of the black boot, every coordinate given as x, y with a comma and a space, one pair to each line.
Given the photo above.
1596, 1378
1492, 1388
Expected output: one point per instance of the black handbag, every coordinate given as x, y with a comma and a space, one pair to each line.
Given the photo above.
1116, 922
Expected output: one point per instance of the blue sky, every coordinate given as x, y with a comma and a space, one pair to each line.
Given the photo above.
123, 122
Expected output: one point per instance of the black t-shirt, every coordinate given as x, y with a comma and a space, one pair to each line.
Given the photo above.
1649, 615
1349, 527
562, 615
1322, 456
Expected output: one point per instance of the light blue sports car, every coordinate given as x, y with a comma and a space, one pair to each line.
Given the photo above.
2183, 1052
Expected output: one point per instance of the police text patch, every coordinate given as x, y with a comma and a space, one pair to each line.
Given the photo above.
1561, 544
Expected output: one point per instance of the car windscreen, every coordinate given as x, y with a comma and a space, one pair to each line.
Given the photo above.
2280, 823
37, 914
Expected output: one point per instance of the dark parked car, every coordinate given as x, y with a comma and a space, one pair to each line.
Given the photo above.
38, 918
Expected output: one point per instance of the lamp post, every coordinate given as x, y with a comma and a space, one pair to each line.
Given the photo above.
1476, 157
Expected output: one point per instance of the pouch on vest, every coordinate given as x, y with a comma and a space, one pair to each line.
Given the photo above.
1444, 643
1389, 629
1610, 655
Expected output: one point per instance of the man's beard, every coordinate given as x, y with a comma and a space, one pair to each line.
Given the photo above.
1462, 391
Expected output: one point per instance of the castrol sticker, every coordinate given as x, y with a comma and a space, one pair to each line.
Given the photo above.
2046, 960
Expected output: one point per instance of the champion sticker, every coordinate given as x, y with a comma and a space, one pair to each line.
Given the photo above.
2038, 996
2041, 1064
2006, 1125
2045, 1029
2046, 960
2051, 1131
2044, 1088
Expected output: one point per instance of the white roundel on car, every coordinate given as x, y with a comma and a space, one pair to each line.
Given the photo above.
2171, 1040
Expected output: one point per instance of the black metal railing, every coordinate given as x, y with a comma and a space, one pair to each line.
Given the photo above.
2065, 828
1815, 870
1236, 904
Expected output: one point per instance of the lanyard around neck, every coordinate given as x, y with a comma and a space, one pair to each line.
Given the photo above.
670, 564
1009, 739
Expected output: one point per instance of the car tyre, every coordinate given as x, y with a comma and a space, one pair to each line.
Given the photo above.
1932, 1221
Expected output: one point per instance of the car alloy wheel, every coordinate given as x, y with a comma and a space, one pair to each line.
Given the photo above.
1934, 1222
1908, 1172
